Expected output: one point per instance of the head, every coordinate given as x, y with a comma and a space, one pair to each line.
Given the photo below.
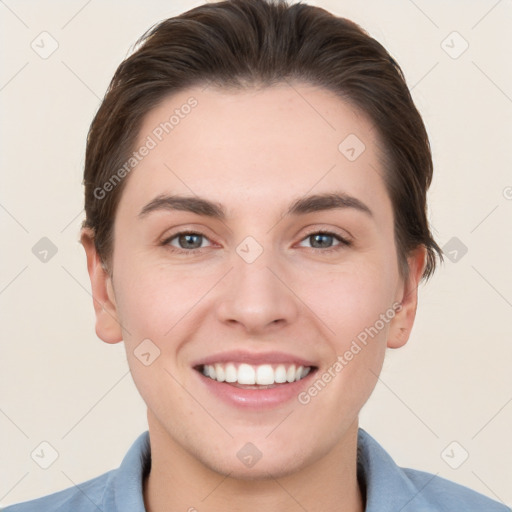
306, 166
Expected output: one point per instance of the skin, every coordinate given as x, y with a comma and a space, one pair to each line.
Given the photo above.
254, 152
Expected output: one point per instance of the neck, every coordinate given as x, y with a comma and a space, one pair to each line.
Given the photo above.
179, 481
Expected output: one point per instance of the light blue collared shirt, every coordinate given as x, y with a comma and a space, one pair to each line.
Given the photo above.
388, 488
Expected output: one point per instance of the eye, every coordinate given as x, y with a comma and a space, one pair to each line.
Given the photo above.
191, 242
185, 241
323, 240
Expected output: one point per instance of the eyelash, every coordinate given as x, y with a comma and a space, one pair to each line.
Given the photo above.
190, 252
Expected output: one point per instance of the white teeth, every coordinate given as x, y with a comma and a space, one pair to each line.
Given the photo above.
220, 373
211, 372
290, 374
280, 374
246, 374
231, 373
263, 375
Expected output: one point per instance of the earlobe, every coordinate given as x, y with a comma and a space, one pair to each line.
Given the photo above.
402, 323
108, 327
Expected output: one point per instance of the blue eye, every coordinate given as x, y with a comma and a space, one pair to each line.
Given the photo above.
322, 240
191, 242
187, 240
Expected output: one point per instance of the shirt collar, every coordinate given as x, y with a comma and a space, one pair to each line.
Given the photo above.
126, 492
384, 484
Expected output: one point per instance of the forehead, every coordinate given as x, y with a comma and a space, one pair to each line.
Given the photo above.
254, 148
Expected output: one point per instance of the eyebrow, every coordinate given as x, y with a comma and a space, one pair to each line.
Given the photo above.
301, 206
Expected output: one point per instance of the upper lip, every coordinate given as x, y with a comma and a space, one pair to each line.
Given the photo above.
254, 358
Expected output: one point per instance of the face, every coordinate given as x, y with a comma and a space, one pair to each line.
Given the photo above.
254, 244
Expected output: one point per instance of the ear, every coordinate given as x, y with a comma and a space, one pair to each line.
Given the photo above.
407, 294
108, 327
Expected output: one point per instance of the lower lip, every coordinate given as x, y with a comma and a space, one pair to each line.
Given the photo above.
254, 397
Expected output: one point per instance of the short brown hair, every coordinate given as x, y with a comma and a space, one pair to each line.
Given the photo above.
247, 43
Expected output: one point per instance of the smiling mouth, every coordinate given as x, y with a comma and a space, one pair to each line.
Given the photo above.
255, 376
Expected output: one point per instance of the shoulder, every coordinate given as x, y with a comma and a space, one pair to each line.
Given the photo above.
389, 487
87, 496
117, 490
448, 495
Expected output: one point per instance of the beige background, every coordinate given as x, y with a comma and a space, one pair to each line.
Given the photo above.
62, 385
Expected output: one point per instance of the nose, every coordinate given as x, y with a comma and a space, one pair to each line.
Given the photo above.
258, 296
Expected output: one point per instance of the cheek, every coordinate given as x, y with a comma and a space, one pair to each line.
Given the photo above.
350, 304
356, 306
352, 298
153, 298
156, 303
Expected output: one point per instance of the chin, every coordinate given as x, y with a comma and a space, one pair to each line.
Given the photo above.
265, 468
